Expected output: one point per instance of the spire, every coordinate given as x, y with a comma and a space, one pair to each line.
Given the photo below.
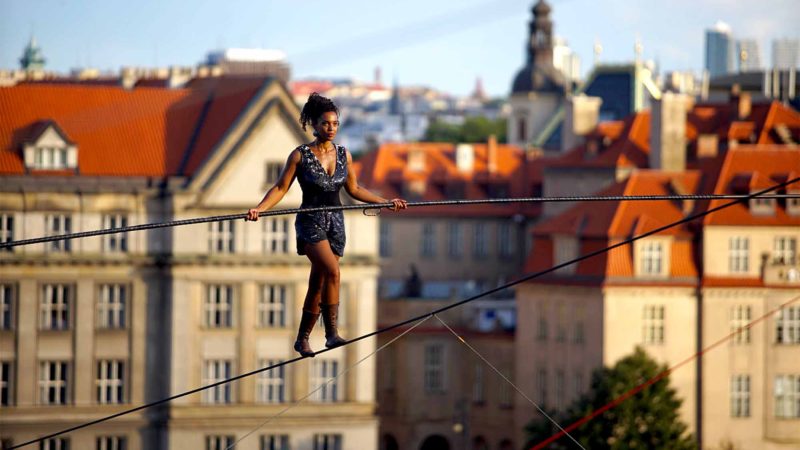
540, 47
479, 93
32, 58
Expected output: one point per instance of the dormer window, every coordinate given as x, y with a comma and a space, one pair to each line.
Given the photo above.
793, 204
49, 149
652, 259
762, 206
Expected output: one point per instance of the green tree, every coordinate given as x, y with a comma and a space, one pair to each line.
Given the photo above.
474, 129
647, 420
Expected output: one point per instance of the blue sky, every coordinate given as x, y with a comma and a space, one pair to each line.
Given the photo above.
445, 43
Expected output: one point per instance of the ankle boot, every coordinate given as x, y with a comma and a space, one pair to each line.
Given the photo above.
329, 315
307, 323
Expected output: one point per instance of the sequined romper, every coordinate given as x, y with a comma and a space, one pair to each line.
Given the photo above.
320, 189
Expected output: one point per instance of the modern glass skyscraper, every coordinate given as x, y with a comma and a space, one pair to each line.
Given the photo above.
785, 53
748, 55
719, 50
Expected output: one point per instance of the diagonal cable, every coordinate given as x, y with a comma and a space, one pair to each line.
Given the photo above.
296, 403
521, 280
502, 375
615, 402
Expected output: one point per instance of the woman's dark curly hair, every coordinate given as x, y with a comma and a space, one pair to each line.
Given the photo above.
315, 107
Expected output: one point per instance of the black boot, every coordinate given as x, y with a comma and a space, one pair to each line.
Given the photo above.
307, 323
329, 315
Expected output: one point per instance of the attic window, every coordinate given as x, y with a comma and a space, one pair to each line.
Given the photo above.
49, 149
762, 206
793, 204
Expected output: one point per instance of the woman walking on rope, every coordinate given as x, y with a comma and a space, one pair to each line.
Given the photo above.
322, 168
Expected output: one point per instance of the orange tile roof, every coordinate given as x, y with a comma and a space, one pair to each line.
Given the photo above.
599, 225
140, 132
753, 168
386, 171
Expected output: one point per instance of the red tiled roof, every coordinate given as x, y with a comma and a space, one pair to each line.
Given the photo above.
119, 132
753, 168
386, 171
598, 225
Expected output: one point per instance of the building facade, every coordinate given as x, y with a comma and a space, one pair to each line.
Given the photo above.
94, 326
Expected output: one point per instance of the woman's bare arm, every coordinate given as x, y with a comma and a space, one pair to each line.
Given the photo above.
359, 193
276, 192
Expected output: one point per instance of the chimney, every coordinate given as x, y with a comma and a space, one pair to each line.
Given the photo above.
491, 154
128, 77
581, 114
465, 157
416, 159
668, 133
742, 101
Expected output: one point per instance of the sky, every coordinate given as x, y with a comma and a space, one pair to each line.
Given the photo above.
445, 44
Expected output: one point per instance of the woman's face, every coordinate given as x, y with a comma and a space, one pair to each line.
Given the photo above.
327, 125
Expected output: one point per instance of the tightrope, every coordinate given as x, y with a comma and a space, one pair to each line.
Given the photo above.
378, 206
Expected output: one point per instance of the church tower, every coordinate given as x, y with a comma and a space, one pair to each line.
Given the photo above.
538, 88
32, 58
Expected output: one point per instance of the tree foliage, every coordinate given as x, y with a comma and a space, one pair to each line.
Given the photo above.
473, 130
646, 420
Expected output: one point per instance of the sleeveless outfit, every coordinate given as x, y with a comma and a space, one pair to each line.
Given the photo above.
320, 189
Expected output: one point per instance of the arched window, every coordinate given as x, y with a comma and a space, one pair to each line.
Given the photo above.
522, 129
435, 442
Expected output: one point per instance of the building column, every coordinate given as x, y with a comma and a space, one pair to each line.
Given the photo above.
83, 372
247, 339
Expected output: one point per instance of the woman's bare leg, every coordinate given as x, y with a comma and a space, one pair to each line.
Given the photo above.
314, 293
327, 264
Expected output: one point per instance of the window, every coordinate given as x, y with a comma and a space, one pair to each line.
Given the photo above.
541, 386
504, 240
787, 396
793, 204
219, 442
653, 324
112, 443
522, 131
434, 368
6, 307
784, 251
740, 319
271, 384
787, 326
219, 306
385, 244
272, 306
274, 442
53, 383
50, 158
111, 306
579, 333
651, 259
117, 242
327, 442
738, 254
504, 396
740, 396
214, 371
541, 330
273, 172
54, 307
577, 384
762, 206
561, 390
110, 382
276, 236
6, 384
561, 324
480, 248
454, 240
55, 225
478, 384
55, 444
565, 249
6, 230
221, 236
428, 249
324, 382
